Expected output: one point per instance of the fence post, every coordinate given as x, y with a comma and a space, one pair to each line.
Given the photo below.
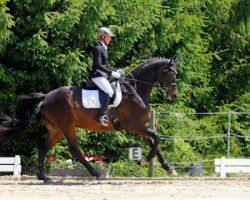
17, 167
222, 168
152, 124
228, 134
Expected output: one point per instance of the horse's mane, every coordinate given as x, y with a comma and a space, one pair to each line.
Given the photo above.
151, 61
127, 86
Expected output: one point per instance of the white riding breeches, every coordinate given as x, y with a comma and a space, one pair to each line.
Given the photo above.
104, 85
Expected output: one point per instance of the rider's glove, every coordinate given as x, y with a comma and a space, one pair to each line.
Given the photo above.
116, 74
121, 72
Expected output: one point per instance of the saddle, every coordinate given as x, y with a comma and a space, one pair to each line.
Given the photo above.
92, 96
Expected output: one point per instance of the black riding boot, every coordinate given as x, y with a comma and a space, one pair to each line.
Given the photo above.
103, 118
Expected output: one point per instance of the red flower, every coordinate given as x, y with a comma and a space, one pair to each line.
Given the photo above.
96, 158
84, 156
52, 158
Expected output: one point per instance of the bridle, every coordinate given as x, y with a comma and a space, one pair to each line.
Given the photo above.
145, 82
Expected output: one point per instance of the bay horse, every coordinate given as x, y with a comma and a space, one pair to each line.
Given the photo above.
62, 111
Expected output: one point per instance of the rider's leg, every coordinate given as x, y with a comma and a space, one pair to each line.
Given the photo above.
105, 86
103, 117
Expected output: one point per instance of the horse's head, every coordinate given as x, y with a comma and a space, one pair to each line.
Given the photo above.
166, 77
157, 70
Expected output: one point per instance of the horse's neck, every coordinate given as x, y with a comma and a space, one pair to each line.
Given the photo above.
144, 93
144, 86
144, 76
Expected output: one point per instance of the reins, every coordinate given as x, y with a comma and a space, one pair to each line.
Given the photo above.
171, 65
140, 81
136, 80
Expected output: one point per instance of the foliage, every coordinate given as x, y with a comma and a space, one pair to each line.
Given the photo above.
45, 44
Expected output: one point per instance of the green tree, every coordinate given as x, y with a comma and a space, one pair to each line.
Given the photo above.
45, 44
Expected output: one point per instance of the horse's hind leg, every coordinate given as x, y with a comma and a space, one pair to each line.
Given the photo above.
55, 135
75, 151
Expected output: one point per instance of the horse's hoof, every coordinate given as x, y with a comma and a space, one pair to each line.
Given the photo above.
143, 161
172, 172
48, 181
45, 179
100, 177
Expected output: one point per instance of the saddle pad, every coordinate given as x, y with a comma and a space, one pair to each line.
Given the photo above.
90, 98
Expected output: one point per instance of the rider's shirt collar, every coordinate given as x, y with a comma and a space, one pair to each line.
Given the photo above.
104, 45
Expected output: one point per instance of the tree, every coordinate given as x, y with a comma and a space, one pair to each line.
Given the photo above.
45, 44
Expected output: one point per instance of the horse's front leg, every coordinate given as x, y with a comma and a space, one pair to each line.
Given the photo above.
153, 138
170, 169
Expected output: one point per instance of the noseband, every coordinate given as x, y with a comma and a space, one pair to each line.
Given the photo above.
171, 67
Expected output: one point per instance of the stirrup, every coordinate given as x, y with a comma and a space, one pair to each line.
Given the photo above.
103, 120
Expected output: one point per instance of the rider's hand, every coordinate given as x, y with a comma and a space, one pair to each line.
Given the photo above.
116, 74
120, 71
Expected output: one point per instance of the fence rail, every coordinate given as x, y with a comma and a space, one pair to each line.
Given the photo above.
236, 165
229, 135
203, 113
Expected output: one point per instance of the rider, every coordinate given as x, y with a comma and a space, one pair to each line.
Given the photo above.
101, 71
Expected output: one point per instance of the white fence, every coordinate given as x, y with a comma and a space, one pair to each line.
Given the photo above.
233, 165
11, 164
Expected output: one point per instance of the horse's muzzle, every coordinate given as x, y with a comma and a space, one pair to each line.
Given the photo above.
172, 92
172, 96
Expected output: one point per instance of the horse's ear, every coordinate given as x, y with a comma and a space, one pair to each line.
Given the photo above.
175, 59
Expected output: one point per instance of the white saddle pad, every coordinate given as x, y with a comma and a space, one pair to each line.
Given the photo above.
90, 98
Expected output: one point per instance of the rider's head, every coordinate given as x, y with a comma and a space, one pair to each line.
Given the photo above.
105, 34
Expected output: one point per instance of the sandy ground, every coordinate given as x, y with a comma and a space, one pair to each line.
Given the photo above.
68, 189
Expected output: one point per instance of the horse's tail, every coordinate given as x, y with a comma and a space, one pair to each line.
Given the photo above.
26, 108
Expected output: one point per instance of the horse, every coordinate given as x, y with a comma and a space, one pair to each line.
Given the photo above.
62, 111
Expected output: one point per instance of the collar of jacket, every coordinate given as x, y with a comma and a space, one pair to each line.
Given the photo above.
103, 45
